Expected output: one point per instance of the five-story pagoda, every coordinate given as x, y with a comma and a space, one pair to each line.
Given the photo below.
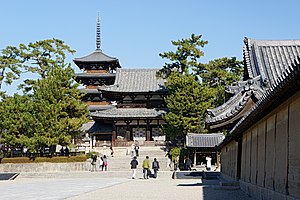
98, 69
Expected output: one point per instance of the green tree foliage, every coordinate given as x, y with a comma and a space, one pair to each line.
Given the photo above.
193, 86
51, 111
218, 73
187, 102
185, 57
38, 57
10, 64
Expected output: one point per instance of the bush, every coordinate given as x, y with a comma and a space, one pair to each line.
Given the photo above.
90, 154
175, 152
60, 159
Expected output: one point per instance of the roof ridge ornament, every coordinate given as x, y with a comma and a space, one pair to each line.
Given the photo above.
98, 38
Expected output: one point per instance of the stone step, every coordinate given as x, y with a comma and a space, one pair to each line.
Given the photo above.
122, 157
87, 174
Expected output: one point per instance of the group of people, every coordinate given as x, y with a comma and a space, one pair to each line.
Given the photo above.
64, 152
134, 149
103, 163
146, 167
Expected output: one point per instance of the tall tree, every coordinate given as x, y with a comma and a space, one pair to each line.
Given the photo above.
186, 55
10, 65
187, 102
193, 86
217, 74
53, 101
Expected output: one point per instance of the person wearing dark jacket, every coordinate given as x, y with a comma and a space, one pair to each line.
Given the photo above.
134, 163
155, 167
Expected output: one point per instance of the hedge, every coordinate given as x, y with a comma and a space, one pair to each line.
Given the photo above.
60, 159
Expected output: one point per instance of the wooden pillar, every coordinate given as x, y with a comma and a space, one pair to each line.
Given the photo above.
239, 158
128, 132
148, 131
132, 97
148, 97
114, 131
195, 157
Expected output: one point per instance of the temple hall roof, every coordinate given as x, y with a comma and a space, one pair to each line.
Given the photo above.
135, 80
204, 140
265, 62
269, 58
96, 127
286, 86
128, 113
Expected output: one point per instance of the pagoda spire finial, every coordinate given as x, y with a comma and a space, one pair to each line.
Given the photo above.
98, 39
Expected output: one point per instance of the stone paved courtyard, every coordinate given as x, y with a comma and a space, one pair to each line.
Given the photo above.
119, 186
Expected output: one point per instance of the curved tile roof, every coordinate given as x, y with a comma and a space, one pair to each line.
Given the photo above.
96, 56
136, 80
204, 140
285, 86
129, 113
265, 63
269, 58
99, 107
94, 75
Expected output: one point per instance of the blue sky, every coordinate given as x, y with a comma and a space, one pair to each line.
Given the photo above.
136, 31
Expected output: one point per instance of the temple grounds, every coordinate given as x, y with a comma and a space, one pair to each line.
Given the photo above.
113, 185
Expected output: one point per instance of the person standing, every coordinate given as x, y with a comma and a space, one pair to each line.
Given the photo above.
155, 167
146, 166
132, 149
136, 148
67, 151
208, 163
134, 163
105, 162
187, 163
93, 163
101, 163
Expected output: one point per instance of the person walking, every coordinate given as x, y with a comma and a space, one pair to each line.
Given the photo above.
134, 163
105, 162
155, 167
146, 166
111, 151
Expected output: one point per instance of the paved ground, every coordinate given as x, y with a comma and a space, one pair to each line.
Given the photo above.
119, 186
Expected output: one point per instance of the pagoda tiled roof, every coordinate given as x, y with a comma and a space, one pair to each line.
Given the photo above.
204, 140
136, 80
94, 108
265, 62
128, 113
94, 75
89, 91
96, 57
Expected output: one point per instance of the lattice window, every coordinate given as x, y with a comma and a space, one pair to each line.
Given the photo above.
157, 134
139, 133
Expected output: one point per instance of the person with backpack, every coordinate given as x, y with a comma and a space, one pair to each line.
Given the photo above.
155, 167
134, 163
146, 166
